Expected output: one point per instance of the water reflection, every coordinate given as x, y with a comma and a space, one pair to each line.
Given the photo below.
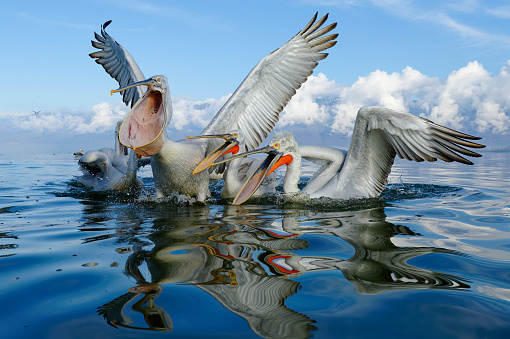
247, 262
377, 265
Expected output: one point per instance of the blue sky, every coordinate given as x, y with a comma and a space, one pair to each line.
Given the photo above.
445, 60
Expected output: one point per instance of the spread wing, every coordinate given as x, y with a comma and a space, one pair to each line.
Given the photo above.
380, 134
255, 106
117, 62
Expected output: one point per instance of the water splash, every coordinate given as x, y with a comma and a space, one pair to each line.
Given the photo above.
392, 192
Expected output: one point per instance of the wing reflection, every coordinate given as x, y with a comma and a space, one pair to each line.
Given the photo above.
247, 261
377, 265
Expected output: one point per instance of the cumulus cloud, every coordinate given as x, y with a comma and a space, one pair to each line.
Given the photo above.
469, 99
100, 118
194, 113
308, 106
103, 117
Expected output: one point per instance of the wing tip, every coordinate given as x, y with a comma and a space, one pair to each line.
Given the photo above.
106, 24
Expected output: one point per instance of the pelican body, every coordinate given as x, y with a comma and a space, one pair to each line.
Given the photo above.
111, 168
254, 107
379, 135
102, 174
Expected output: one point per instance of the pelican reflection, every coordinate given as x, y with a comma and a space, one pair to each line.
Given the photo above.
248, 262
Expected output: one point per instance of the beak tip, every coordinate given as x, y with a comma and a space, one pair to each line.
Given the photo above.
112, 91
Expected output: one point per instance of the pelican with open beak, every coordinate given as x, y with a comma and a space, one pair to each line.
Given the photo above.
274, 159
231, 145
143, 129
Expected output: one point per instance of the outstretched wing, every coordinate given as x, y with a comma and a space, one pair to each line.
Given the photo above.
117, 62
380, 134
255, 106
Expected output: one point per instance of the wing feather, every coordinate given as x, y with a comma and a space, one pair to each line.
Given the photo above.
456, 147
255, 106
321, 32
119, 64
380, 134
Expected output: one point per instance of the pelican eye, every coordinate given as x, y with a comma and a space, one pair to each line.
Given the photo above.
235, 134
276, 145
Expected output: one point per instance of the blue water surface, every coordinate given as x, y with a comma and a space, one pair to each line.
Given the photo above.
430, 258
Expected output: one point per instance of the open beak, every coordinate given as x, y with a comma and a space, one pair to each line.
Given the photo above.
231, 145
144, 125
251, 185
273, 160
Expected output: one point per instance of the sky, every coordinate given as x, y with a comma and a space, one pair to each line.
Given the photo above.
448, 61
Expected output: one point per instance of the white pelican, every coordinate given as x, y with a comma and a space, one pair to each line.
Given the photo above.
239, 169
362, 172
111, 168
115, 154
101, 175
254, 107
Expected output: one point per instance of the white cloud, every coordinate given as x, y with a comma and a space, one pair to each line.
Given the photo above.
198, 113
470, 99
101, 118
303, 107
104, 117
502, 12
379, 88
462, 87
448, 14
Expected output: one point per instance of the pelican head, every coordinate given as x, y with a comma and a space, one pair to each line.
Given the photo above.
231, 145
279, 152
143, 129
93, 162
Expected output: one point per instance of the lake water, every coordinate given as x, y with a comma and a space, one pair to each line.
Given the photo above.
431, 258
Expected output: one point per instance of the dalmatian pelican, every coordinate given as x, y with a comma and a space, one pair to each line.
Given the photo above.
379, 135
101, 173
239, 169
111, 168
254, 107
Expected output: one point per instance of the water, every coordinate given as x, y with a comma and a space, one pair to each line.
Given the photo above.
430, 258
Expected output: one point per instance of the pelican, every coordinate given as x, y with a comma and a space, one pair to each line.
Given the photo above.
254, 107
238, 169
102, 175
362, 172
111, 169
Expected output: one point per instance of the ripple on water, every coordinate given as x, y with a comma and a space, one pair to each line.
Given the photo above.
69, 253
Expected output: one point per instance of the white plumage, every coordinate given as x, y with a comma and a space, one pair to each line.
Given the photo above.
111, 168
101, 173
254, 107
379, 135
